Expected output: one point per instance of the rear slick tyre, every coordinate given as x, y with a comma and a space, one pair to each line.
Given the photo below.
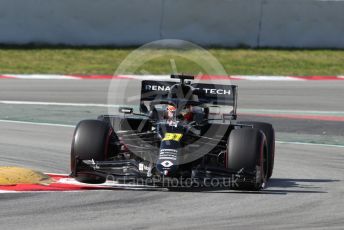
269, 132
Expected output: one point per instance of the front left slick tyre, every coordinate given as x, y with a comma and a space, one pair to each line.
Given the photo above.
91, 141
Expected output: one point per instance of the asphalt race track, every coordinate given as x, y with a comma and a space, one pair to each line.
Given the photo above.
306, 190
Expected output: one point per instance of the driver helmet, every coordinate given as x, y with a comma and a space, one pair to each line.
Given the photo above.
185, 113
171, 110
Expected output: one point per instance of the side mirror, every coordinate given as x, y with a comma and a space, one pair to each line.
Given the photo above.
214, 110
126, 110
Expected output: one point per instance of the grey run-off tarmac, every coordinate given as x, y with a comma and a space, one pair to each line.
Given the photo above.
306, 190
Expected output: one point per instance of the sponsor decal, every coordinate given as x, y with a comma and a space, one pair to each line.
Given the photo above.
166, 164
219, 94
157, 88
213, 91
217, 91
168, 154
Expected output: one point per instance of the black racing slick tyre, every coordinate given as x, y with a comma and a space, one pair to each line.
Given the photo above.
91, 141
247, 150
269, 132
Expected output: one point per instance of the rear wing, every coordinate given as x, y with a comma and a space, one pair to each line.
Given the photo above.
211, 94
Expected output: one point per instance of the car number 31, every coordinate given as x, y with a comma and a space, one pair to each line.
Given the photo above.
172, 137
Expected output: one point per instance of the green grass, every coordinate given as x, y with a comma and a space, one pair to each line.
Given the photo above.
18, 60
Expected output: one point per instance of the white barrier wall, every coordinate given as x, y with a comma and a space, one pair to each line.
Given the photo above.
80, 22
253, 23
212, 22
303, 23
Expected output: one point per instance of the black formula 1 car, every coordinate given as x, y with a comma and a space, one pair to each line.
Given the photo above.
184, 134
